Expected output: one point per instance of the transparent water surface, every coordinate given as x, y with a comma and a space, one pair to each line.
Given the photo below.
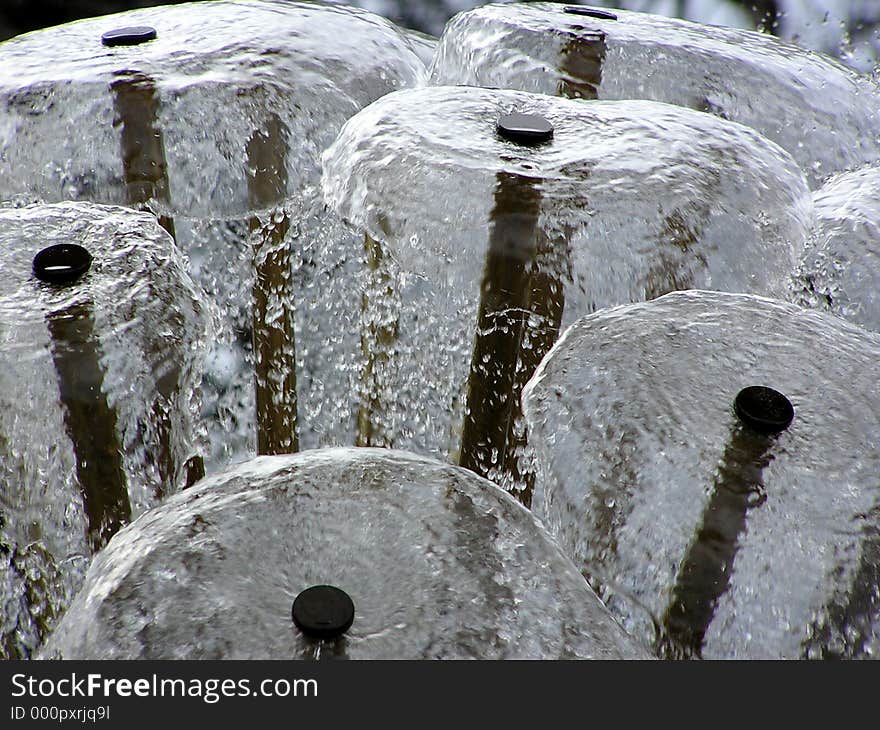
438, 562
822, 112
700, 534
98, 399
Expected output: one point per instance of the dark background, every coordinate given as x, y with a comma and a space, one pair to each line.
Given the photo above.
20, 16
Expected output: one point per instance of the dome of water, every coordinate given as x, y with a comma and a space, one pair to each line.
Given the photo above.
841, 269
483, 249
214, 74
733, 542
98, 406
825, 114
398, 287
438, 563
217, 124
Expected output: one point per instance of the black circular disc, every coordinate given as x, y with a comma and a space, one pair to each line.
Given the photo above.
323, 612
763, 409
62, 263
527, 129
128, 36
592, 12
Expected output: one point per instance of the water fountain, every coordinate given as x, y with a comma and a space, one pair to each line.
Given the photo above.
617, 202
102, 333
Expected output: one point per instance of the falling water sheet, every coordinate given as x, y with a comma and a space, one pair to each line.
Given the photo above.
184, 125
483, 247
840, 270
438, 563
99, 402
823, 113
701, 535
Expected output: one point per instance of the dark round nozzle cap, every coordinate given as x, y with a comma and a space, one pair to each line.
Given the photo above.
128, 36
525, 129
592, 12
323, 612
763, 409
62, 263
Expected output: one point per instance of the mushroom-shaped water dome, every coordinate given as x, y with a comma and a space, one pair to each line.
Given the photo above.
841, 267
211, 77
214, 115
711, 461
395, 555
825, 114
487, 231
102, 332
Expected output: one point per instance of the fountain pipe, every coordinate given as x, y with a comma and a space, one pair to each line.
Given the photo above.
581, 63
89, 420
378, 339
145, 169
273, 333
704, 574
516, 292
